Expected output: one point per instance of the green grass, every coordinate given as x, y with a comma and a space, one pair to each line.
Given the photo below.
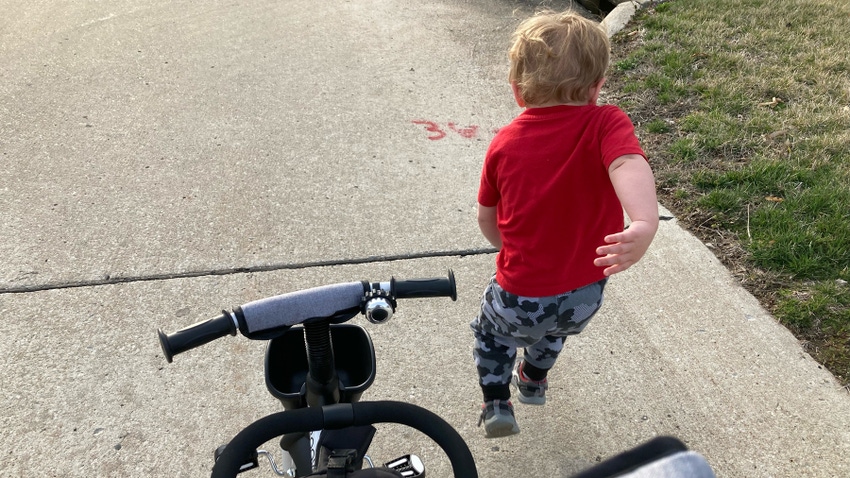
744, 107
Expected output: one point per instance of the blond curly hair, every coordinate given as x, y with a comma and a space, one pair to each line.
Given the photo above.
558, 57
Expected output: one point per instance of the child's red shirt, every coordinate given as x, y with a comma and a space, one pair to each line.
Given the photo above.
547, 174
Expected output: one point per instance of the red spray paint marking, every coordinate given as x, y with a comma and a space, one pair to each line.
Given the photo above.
436, 131
468, 132
433, 128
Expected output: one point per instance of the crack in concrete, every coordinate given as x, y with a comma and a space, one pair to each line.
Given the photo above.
112, 280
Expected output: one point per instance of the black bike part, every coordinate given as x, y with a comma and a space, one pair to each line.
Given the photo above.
286, 364
354, 438
639, 456
298, 447
341, 463
418, 288
353, 414
251, 462
195, 335
322, 380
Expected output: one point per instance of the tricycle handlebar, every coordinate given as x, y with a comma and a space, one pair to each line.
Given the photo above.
266, 318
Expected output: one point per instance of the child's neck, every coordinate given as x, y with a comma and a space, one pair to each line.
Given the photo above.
556, 103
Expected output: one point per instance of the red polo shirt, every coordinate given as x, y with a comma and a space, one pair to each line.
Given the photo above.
547, 174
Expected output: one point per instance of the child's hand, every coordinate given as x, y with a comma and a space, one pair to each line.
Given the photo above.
625, 248
632, 179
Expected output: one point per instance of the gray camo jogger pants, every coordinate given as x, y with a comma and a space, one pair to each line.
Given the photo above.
538, 324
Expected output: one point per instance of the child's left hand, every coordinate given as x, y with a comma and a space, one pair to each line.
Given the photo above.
625, 248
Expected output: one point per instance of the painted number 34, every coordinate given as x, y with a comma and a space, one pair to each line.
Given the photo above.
436, 132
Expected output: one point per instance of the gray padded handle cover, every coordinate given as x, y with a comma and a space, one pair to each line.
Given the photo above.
295, 307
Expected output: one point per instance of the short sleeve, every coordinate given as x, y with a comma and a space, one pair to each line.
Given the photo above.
488, 192
618, 138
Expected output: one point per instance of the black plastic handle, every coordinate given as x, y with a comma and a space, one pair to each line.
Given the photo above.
417, 288
195, 335
341, 416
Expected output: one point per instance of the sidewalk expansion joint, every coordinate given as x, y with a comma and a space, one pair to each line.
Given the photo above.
112, 280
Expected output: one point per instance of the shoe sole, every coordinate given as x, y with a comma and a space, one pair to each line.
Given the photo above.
500, 430
531, 400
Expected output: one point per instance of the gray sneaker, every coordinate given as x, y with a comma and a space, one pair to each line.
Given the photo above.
498, 419
531, 392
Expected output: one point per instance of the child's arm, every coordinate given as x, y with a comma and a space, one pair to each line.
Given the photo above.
488, 226
635, 186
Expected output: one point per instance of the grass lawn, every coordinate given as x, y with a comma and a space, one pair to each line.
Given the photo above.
744, 109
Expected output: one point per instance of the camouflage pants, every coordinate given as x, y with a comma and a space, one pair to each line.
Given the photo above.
538, 324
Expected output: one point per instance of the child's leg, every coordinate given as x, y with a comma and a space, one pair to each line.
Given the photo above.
494, 353
494, 362
575, 309
541, 356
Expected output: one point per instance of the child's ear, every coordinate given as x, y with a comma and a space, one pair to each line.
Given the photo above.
517, 95
595, 90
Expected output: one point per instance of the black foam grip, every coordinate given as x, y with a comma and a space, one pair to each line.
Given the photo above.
195, 335
417, 288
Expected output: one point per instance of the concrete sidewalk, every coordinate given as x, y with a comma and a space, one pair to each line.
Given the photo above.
163, 161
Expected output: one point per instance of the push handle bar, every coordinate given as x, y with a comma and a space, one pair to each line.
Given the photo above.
265, 318
341, 416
